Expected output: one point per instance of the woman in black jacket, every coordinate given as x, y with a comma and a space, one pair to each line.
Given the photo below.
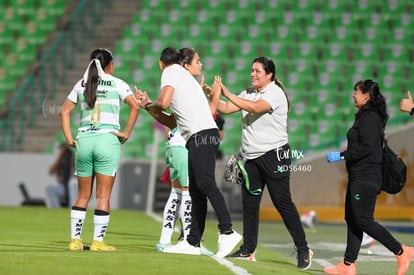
363, 158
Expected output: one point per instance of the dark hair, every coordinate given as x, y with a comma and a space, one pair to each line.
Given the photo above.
270, 67
376, 100
105, 57
187, 55
170, 56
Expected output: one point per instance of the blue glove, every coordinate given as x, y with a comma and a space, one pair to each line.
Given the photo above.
333, 156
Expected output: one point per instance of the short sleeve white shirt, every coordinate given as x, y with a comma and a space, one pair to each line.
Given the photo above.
263, 132
189, 103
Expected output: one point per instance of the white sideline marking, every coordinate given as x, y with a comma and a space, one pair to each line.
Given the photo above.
324, 263
235, 269
153, 215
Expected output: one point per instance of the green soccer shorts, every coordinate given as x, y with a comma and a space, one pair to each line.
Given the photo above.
97, 153
177, 161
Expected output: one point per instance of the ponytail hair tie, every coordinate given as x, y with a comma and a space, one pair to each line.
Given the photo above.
101, 73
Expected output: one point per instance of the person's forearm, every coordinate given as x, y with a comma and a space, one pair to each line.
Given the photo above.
214, 101
132, 118
161, 116
67, 133
241, 103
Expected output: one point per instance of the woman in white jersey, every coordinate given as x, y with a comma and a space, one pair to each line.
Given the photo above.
265, 147
97, 144
191, 113
179, 201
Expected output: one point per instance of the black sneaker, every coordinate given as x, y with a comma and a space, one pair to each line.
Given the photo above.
305, 259
251, 257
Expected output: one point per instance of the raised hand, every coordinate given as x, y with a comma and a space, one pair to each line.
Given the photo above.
406, 104
141, 97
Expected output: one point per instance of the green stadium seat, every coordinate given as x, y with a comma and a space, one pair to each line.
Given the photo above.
54, 8
337, 51
323, 46
123, 72
16, 25
14, 69
34, 35
381, 22
244, 50
398, 7
6, 37
8, 14
297, 125
24, 8
395, 52
289, 35
191, 5
44, 21
25, 52
152, 4
7, 81
229, 147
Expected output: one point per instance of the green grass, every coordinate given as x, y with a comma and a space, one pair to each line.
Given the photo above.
328, 242
34, 241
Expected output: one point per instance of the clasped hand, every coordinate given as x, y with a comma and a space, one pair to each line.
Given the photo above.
141, 97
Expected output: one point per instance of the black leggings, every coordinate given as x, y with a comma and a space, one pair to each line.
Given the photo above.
202, 149
361, 197
271, 170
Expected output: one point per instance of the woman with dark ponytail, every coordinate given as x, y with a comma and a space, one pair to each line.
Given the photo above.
97, 144
265, 148
363, 157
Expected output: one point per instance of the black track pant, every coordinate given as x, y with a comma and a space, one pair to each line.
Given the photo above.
202, 149
271, 170
361, 197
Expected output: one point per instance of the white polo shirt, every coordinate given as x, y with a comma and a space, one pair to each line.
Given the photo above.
263, 132
189, 103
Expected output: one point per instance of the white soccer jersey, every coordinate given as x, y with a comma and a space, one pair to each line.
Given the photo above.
175, 138
104, 117
189, 103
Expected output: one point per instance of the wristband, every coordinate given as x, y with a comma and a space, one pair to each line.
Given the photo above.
146, 105
412, 112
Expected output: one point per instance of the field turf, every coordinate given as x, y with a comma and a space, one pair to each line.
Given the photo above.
34, 240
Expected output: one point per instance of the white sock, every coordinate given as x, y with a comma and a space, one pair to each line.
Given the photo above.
185, 213
100, 226
77, 218
169, 216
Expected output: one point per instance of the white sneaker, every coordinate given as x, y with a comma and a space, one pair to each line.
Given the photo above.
205, 251
183, 247
367, 241
160, 247
226, 243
